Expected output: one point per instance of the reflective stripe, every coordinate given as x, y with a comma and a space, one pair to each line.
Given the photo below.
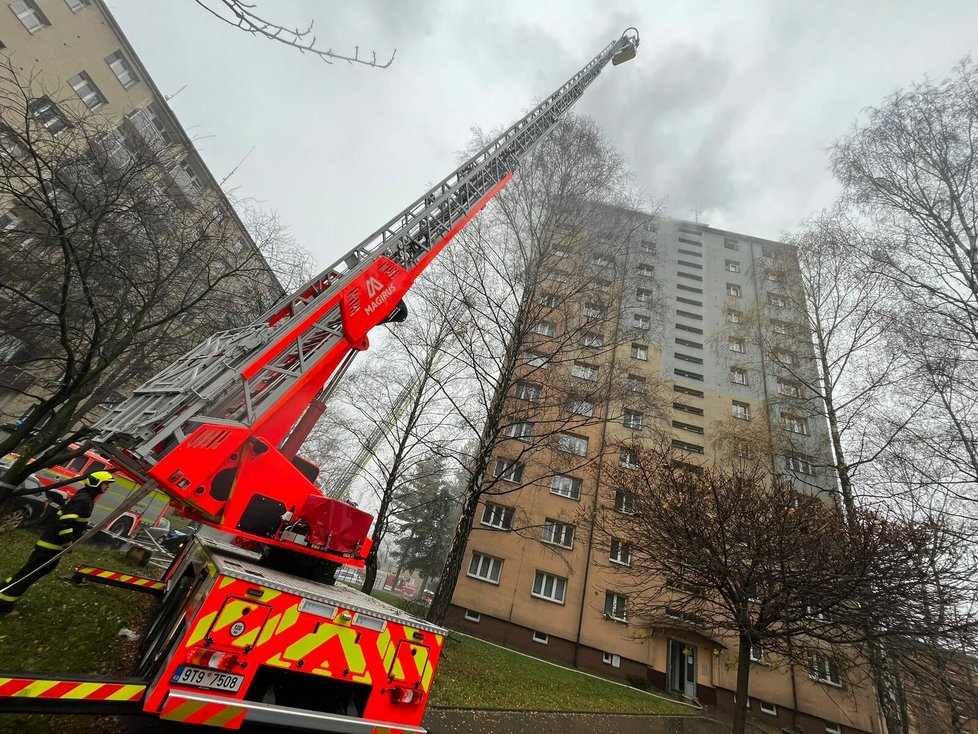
7, 597
49, 546
73, 516
80, 519
66, 531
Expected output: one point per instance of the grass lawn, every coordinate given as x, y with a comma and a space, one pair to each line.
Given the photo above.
68, 629
475, 674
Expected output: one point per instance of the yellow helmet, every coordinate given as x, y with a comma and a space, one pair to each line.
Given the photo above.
98, 478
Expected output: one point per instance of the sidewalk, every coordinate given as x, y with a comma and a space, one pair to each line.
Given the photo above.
466, 721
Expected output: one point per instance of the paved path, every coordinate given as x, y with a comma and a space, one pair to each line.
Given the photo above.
461, 721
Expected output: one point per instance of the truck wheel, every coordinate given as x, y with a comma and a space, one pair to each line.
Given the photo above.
121, 526
20, 515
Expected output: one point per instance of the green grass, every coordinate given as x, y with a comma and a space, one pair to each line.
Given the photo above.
67, 629
475, 674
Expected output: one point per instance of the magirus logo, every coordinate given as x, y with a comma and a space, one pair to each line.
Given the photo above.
377, 293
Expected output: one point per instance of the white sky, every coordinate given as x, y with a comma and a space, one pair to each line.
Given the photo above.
729, 106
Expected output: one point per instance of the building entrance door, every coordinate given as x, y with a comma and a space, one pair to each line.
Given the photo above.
682, 668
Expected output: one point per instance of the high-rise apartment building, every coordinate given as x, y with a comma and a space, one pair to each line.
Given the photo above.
701, 313
69, 60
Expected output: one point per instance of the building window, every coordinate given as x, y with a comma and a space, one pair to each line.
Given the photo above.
644, 295
776, 299
741, 410
85, 88
688, 358
549, 300
768, 708
642, 322
731, 244
688, 375
640, 351
791, 389
832, 727
624, 502
800, 466
733, 266
825, 670
636, 383
621, 552
779, 327
47, 113
687, 427
485, 568
592, 340
580, 407
77, 5
632, 419
564, 486
542, 637
687, 391
509, 470
691, 448
528, 391
689, 301
472, 616
543, 328
591, 311
756, 653
497, 516
737, 345
572, 444
558, 533
611, 659
585, 371
733, 290
29, 14
738, 376
687, 409
602, 261
560, 253
628, 459
688, 343
735, 317
122, 69
533, 359
689, 315
646, 271
783, 356
614, 606
796, 424
549, 587
519, 430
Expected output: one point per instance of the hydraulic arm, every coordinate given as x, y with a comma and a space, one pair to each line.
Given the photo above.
213, 429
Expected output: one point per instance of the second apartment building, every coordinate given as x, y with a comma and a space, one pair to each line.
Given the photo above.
703, 320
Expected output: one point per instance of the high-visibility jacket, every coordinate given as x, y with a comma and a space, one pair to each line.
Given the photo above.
71, 521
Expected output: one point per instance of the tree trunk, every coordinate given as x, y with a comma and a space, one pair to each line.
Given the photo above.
743, 678
453, 563
370, 571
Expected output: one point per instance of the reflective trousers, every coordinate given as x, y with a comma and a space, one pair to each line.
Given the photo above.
34, 570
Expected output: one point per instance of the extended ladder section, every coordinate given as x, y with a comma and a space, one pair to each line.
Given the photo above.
242, 391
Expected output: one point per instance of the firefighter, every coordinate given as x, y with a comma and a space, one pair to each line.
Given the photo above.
66, 527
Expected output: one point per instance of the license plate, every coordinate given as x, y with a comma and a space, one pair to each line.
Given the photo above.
187, 675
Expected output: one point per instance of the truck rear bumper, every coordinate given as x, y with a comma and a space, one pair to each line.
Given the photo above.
201, 708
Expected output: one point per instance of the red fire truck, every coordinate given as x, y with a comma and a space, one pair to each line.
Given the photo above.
250, 627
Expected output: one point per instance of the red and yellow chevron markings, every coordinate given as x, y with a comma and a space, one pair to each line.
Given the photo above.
208, 713
70, 690
122, 580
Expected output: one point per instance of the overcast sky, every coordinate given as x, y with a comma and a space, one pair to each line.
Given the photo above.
729, 107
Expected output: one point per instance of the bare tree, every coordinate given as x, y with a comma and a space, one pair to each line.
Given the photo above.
245, 17
909, 170
743, 555
536, 276
113, 261
397, 415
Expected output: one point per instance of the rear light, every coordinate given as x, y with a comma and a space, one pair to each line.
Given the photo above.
406, 695
205, 658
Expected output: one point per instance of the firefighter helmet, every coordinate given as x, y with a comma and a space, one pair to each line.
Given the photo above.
98, 478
